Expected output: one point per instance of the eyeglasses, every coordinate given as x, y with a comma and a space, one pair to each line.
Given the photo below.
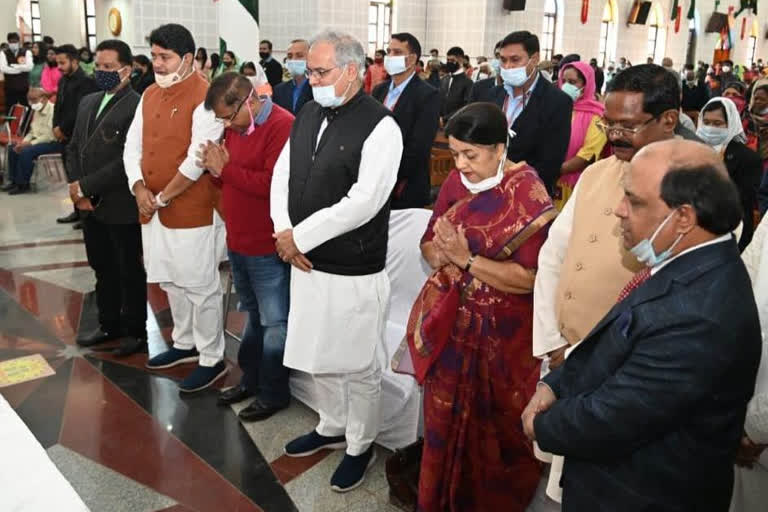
318, 73
234, 115
622, 130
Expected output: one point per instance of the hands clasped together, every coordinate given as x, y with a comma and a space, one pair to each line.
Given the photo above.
541, 401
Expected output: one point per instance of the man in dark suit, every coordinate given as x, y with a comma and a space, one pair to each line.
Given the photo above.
73, 86
416, 107
293, 94
99, 188
272, 68
538, 113
485, 90
649, 408
456, 86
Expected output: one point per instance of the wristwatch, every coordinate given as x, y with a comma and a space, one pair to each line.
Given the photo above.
469, 262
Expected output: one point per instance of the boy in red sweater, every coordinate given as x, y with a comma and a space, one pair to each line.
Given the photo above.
256, 131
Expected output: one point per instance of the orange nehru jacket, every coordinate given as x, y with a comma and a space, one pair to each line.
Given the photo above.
167, 133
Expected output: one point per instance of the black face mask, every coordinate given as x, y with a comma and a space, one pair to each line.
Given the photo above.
452, 66
264, 55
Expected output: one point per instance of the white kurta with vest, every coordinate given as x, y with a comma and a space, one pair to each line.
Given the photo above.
336, 321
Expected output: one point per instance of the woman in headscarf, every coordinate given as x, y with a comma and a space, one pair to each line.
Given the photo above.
469, 335
757, 126
577, 80
720, 127
737, 93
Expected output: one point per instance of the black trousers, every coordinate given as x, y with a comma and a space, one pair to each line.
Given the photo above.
115, 254
14, 97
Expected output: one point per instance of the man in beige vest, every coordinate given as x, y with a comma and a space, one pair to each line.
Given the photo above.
583, 266
183, 236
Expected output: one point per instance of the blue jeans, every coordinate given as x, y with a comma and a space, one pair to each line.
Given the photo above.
262, 284
21, 165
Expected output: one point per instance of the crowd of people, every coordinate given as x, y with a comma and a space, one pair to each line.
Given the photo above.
591, 332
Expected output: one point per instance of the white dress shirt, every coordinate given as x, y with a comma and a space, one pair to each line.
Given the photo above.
13, 68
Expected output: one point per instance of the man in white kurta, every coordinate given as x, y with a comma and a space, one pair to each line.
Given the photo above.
335, 236
750, 486
183, 236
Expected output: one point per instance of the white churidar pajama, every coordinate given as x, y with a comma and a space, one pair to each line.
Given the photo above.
336, 323
185, 262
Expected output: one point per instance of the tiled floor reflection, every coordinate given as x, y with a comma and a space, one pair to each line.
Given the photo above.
123, 436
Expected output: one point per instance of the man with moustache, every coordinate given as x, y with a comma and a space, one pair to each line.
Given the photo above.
583, 265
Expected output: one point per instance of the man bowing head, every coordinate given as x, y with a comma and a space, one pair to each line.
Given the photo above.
330, 207
648, 410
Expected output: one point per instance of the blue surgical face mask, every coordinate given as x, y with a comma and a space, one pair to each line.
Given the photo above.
514, 77
571, 90
296, 68
496, 65
646, 254
325, 95
712, 135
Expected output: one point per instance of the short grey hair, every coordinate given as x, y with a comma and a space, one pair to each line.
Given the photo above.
348, 50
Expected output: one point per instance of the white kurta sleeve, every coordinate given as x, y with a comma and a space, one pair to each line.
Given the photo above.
132, 150
754, 251
205, 127
278, 192
379, 163
546, 329
5, 67
28, 63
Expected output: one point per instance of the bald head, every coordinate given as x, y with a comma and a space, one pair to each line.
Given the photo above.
683, 187
37, 95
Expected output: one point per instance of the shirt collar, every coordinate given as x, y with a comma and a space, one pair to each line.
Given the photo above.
531, 88
400, 88
459, 71
726, 237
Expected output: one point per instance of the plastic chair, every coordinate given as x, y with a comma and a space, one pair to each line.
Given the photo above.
14, 126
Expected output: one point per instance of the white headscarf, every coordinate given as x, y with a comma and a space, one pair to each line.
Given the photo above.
735, 128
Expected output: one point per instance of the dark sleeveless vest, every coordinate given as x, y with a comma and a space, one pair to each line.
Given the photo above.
322, 177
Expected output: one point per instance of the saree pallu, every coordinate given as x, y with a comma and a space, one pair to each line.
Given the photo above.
470, 346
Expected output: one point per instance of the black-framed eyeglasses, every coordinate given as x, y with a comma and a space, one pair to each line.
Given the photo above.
234, 115
622, 130
318, 73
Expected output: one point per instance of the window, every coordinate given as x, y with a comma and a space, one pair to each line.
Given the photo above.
379, 24
656, 34
90, 24
690, 53
605, 30
37, 32
548, 29
752, 43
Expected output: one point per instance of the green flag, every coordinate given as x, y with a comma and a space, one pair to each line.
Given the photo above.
692, 10
675, 5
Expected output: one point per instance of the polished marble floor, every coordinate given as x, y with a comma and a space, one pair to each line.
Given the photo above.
122, 435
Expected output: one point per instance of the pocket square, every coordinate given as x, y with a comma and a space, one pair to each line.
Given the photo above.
625, 322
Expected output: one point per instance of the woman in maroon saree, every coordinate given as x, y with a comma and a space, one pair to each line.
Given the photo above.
470, 331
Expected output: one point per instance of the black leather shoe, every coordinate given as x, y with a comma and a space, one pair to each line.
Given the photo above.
95, 337
131, 345
19, 189
8, 187
258, 411
68, 219
77, 225
234, 395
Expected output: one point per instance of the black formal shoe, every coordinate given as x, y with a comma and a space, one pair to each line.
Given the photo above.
234, 395
258, 411
7, 188
95, 337
68, 219
19, 189
77, 225
131, 345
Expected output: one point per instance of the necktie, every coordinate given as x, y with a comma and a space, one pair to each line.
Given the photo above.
635, 282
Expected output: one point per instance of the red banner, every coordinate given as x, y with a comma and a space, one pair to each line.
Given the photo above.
584, 11
743, 28
678, 18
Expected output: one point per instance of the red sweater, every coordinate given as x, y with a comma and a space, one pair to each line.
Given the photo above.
245, 183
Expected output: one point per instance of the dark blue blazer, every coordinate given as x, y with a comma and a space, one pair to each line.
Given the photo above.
542, 130
417, 112
651, 404
282, 94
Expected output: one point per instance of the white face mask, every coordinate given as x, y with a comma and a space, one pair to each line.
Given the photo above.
514, 77
14, 47
395, 64
37, 107
166, 81
726, 69
487, 183
482, 76
325, 95
712, 135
